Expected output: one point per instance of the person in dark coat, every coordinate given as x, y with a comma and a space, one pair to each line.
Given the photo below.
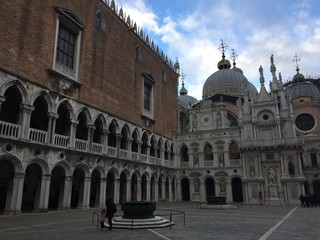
111, 210
302, 200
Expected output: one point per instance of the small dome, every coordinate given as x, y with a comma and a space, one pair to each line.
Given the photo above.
224, 64
298, 77
229, 82
184, 99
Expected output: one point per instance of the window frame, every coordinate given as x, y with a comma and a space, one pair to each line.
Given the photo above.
68, 21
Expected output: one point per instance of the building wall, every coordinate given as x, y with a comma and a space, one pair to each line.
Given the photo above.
108, 68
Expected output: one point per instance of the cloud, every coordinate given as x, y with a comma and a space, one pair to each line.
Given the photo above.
254, 29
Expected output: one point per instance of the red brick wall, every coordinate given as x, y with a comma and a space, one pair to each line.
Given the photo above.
111, 78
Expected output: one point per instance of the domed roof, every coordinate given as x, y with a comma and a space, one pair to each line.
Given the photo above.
184, 99
302, 89
229, 82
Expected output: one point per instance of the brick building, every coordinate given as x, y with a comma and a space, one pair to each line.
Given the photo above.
88, 108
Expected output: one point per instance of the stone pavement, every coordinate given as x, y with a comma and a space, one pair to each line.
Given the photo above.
256, 222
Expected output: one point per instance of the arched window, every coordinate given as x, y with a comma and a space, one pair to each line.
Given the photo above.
97, 132
144, 146
134, 143
138, 54
82, 131
124, 139
184, 152
314, 160
234, 152
208, 154
112, 140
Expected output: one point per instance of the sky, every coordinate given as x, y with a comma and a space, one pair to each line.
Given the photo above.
192, 31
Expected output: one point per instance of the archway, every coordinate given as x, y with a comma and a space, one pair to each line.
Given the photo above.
6, 183
110, 186
210, 189
144, 188
237, 193
32, 187
306, 187
95, 188
77, 188
316, 187
185, 189
56, 187
123, 187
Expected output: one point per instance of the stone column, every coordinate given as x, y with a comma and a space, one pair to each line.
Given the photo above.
170, 191
282, 165
73, 129
105, 140
118, 140
299, 156
148, 189
44, 193
90, 128
86, 192
128, 188
103, 188
26, 111
51, 126
156, 191
67, 192
138, 190
14, 197
116, 190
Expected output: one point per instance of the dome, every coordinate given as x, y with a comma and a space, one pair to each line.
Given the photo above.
302, 89
184, 99
229, 82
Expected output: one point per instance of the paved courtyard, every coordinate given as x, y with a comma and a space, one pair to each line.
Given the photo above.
246, 223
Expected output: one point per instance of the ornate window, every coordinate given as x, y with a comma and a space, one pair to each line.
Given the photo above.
234, 152
148, 96
184, 153
208, 154
67, 47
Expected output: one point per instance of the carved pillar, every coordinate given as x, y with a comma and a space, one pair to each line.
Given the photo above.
52, 126
128, 190
299, 156
118, 140
26, 111
148, 189
138, 190
104, 136
156, 191
90, 128
73, 129
2, 100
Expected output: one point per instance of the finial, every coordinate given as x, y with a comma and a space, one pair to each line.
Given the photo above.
234, 56
176, 66
223, 48
296, 59
273, 68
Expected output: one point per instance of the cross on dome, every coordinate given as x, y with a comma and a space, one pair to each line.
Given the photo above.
223, 48
296, 60
234, 56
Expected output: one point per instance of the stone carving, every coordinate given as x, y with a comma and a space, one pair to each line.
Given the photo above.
271, 176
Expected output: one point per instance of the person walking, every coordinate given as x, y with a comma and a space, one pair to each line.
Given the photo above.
111, 210
102, 218
302, 200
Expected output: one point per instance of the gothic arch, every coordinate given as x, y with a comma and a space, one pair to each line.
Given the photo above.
87, 114
65, 165
102, 119
19, 86
68, 106
45, 96
42, 163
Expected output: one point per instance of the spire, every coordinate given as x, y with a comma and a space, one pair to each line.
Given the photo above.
177, 66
